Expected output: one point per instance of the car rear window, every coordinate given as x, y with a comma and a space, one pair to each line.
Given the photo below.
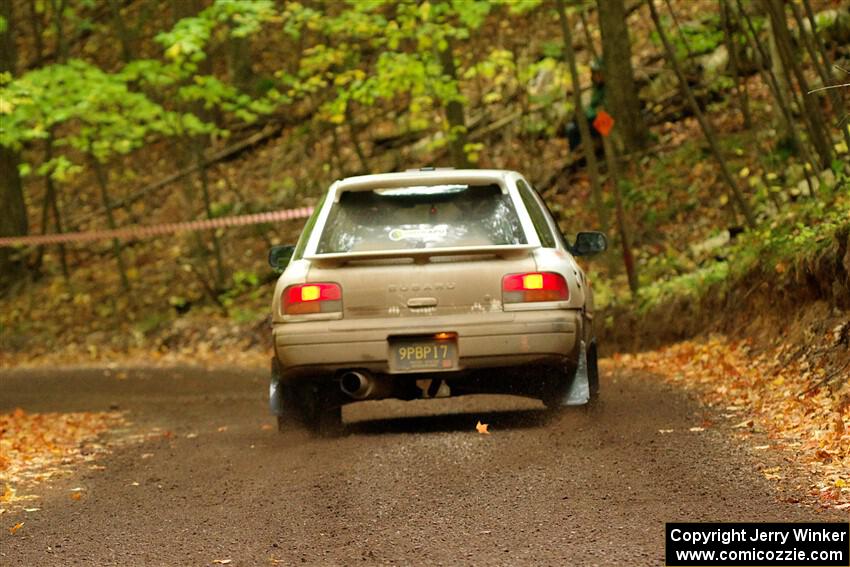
406, 218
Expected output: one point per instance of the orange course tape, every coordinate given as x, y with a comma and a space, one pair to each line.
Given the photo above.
139, 232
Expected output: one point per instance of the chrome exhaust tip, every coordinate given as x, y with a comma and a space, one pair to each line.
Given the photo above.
356, 384
362, 385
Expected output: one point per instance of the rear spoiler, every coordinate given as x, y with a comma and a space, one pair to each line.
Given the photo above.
421, 254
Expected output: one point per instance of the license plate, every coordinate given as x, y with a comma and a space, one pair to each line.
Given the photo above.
421, 354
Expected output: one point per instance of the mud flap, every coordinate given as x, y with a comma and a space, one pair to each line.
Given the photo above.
275, 391
579, 391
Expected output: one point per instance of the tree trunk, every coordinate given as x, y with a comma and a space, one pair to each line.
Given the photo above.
125, 35
454, 114
239, 63
58, 12
183, 150
37, 25
778, 71
732, 48
623, 231
110, 219
13, 219
678, 27
337, 153
811, 108
620, 90
51, 205
588, 37
354, 135
770, 79
707, 130
205, 192
57, 224
836, 94
581, 117
184, 9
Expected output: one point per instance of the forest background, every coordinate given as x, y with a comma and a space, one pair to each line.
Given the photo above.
723, 187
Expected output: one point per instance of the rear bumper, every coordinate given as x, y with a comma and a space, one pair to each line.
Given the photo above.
487, 340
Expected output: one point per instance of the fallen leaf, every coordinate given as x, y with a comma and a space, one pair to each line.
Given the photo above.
15, 528
222, 561
7, 494
266, 427
482, 428
76, 495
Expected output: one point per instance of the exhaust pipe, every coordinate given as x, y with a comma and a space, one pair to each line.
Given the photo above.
362, 385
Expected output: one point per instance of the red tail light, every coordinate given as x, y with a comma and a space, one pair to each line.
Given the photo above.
309, 298
534, 286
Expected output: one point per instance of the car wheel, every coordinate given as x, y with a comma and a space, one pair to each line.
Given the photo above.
593, 371
289, 417
321, 408
556, 383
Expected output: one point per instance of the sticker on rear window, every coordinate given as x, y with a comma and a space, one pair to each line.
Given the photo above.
439, 231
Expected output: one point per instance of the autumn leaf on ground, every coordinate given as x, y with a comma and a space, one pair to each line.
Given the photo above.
769, 392
15, 528
482, 428
7, 494
38, 446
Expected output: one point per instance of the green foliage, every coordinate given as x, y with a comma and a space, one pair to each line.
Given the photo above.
187, 41
244, 282
696, 38
408, 66
98, 112
152, 322
692, 285
784, 246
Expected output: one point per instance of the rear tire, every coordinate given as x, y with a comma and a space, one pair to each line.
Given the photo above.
593, 372
310, 404
557, 383
290, 417
321, 408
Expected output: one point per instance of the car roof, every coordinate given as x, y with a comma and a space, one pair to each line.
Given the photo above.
423, 177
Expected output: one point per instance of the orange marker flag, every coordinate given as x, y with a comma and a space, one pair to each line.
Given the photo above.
603, 123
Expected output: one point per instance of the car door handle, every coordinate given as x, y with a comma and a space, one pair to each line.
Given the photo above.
422, 302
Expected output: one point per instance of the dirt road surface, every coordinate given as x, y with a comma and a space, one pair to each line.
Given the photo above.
410, 484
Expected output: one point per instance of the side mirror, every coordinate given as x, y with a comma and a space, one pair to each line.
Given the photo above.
589, 243
279, 256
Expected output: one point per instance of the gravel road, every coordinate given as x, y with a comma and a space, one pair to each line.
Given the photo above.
410, 484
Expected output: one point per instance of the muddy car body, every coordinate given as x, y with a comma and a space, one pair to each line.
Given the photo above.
427, 283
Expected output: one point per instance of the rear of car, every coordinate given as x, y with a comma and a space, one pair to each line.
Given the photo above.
421, 283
